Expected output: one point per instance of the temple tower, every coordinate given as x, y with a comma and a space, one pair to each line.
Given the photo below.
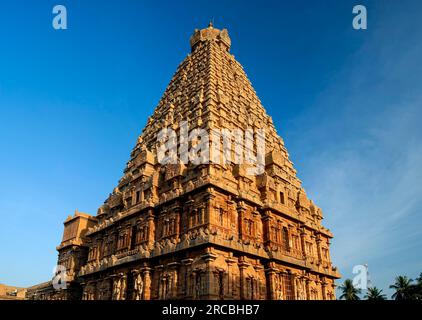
203, 223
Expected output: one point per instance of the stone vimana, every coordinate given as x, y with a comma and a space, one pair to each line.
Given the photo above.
205, 231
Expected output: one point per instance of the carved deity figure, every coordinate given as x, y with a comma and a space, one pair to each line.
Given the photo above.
122, 289
139, 286
71, 264
301, 290
278, 287
116, 289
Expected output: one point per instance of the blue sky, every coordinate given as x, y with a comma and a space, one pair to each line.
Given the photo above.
347, 103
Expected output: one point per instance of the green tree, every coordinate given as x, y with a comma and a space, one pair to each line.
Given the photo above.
375, 294
403, 288
417, 288
349, 292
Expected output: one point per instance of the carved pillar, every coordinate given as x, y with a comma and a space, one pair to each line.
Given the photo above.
186, 282
266, 221
328, 251
242, 266
313, 242
308, 289
147, 283
241, 208
318, 243
209, 257
324, 290
177, 222
113, 243
175, 282
158, 285
151, 227
216, 279
256, 227
208, 205
302, 240
319, 289
123, 287
333, 291
259, 283
201, 211
270, 274
196, 284
188, 216
229, 292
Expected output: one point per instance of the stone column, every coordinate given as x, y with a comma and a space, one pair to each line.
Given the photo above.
147, 283
177, 222
266, 221
328, 251
256, 219
313, 241
174, 284
186, 266
319, 289
209, 257
209, 205
270, 274
308, 289
215, 283
242, 266
151, 227
324, 290
302, 240
318, 243
241, 212
157, 290
123, 287
230, 261
259, 284
188, 223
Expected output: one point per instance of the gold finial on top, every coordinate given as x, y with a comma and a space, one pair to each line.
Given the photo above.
210, 25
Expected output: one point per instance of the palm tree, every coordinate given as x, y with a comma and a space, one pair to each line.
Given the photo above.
402, 287
375, 294
349, 291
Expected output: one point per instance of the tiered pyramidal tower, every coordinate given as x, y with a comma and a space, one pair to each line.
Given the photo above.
203, 230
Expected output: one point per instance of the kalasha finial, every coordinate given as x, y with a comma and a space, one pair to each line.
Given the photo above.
210, 34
